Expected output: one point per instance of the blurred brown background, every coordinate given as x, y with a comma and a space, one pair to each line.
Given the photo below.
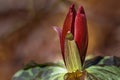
26, 30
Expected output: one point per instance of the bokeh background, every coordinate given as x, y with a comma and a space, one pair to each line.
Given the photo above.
26, 32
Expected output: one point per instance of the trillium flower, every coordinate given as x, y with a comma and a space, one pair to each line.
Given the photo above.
74, 40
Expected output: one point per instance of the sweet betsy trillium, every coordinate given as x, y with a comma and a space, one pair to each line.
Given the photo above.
74, 41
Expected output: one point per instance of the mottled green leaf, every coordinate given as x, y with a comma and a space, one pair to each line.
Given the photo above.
43, 72
104, 72
99, 68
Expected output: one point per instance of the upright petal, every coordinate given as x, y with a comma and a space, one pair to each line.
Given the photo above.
81, 33
68, 23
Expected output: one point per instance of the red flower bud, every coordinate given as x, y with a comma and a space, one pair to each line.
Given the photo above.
75, 23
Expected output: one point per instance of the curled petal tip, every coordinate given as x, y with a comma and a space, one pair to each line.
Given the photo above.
81, 10
58, 30
72, 6
72, 9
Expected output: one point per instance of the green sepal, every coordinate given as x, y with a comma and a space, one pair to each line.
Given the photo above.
72, 55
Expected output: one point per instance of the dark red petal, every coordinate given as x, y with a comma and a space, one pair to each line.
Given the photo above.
81, 33
73, 21
69, 21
